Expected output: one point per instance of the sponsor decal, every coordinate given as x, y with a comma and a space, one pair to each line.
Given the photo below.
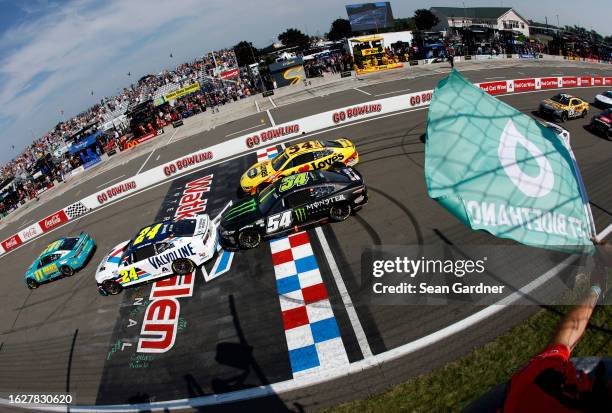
230, 74
494, 88
300, 214
174, 167
569, 81
116, 190
241, 209
11, 242
524, 84
192, 201
53, 221
548, 83
167, 258
356, 111
270, 134
160, 324
422, 99
325, 202
325, 163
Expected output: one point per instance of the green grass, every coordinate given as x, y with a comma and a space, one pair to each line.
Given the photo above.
454, 386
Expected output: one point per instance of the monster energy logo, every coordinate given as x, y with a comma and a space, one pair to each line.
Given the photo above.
300, 214
241, 209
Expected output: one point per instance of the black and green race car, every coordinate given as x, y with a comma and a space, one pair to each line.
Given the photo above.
294, 202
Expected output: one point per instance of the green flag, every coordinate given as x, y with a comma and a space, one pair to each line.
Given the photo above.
499, 170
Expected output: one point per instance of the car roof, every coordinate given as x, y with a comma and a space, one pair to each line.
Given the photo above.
317, 146
160, 235
52, 247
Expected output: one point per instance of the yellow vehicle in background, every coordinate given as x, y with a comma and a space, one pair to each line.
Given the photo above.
301, 157
563, 107
370, 55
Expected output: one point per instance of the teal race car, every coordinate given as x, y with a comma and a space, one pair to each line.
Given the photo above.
61, 258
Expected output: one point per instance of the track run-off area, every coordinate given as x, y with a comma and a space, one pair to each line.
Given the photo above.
241, 331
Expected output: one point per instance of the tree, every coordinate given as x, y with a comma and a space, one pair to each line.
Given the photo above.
294, 37
424, 19
340, 29
246, 53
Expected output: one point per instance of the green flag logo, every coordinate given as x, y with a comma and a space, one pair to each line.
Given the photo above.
536, 186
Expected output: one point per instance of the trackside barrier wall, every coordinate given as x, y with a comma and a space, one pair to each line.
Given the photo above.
272, 136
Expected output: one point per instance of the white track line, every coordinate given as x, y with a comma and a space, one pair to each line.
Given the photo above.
362, 91
390, 93
243, 130
257, 106
362, 339
270, 118
112, 180
495, 77
272, 102
153, 150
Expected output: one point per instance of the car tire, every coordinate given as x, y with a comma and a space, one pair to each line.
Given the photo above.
32, 283
584, 113
67, 271
563, 117
249, 238
338, 165
112, 287
182, 266
340, 212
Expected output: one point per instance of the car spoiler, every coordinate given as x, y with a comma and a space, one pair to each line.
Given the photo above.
218, 217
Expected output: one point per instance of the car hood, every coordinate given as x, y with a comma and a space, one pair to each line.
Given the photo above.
257, 173
603, 98
245, 211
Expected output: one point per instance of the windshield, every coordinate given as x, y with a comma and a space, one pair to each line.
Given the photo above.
68, 244
267, 198
564, 100
279, 161
184, 227
608, 95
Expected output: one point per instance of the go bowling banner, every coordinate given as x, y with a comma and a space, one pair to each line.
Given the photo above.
497, 169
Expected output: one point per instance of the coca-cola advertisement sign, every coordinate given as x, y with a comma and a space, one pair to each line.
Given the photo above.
11, 243
53, 221
29, 233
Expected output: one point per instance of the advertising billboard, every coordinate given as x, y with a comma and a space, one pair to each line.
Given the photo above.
369, 16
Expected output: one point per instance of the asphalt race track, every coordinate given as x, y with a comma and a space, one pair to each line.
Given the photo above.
65, 337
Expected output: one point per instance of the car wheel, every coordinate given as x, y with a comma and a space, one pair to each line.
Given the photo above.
182, 266
112, 287
32, 284
66, 271
338, 165
584, 113
339, 212
563, 116
249, 238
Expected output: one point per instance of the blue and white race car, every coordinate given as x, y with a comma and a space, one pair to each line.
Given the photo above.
158, 250
62, 257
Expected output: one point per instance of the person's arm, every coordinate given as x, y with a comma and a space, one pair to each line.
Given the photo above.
574, 323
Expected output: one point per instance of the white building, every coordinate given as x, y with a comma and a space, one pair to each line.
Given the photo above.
496, 18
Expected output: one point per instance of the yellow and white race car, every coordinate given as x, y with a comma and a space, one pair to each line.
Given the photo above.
301, 157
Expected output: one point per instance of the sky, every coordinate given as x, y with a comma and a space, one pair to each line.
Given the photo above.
53, 54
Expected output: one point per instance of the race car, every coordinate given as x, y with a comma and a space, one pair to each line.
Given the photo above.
158, 250
291, 203
563, 134
563, 107
62, 257
602, 123
301, 157
604, 100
